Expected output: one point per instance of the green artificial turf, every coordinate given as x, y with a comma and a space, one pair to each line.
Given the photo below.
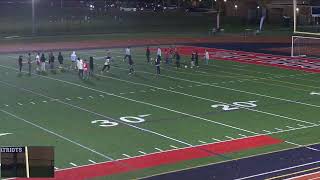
60, 110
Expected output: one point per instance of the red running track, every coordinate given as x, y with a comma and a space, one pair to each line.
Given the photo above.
165, 157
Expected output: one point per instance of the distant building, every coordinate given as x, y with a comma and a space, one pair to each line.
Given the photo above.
275, 10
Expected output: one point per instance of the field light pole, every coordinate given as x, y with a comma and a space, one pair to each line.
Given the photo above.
33, 18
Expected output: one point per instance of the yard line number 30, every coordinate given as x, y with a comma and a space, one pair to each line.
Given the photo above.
125, 119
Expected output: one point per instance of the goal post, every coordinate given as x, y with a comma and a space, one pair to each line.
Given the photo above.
306, 17
306, 28
305, 46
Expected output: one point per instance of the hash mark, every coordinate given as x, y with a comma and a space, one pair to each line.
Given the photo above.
229, 137
92, 161
158, 149
73, 164
126, 155
202, 142
242, 135
80, 98
216, 139
174, 147
32, 103
266, 131
19, 104
142, 152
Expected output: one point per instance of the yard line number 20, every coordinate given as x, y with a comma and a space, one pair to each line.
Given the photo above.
236, 105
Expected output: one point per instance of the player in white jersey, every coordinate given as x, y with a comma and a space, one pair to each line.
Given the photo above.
37, 59
127, 53
159, 53
206, 57
73, 58
106, 64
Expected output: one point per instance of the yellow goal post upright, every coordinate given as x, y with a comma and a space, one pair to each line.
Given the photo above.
306, 29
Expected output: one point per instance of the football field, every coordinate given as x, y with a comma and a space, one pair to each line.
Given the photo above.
115, 116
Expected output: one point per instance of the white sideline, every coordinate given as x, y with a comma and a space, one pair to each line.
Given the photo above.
279, 170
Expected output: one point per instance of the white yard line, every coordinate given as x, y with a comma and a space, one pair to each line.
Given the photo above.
141, 102
101, 115
202, 98
56, 134
236, 90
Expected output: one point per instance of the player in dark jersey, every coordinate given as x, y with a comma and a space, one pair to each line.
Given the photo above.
20, 61
177, 55
148, 54
157, 63
91, 72
60, 59
196, 58
131, 70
